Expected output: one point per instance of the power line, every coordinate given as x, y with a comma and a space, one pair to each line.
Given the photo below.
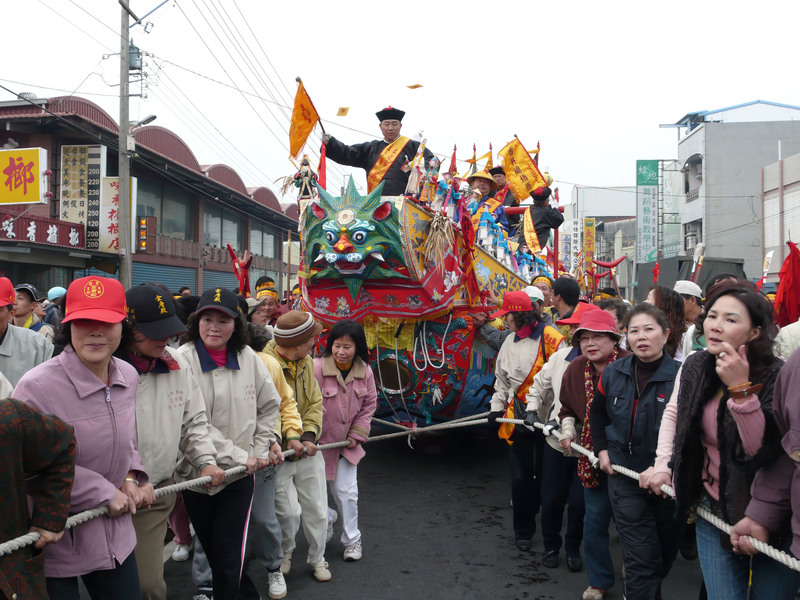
86, 33
52, 89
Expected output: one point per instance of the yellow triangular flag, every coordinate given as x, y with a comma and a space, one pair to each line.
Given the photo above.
342, 112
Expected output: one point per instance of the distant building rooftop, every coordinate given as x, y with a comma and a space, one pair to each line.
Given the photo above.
749, 112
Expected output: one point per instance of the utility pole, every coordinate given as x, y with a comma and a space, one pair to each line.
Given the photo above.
125, 270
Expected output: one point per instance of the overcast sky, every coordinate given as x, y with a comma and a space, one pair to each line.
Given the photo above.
590, 81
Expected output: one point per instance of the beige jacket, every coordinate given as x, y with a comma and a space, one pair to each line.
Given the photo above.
513, 364
543, 395
241, 405
171, 421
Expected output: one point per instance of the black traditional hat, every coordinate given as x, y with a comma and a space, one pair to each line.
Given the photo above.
541, 194
390, 113
497, 171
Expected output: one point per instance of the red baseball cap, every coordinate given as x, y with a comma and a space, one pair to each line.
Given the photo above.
7, 294
598, 321
514, 302
575, 317
96, 298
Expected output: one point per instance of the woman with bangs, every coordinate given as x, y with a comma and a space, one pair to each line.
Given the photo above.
718, 431
521, 357
242, 407
90, 389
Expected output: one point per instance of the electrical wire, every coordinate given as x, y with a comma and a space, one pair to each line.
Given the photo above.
83, 31
216, 129
52, 89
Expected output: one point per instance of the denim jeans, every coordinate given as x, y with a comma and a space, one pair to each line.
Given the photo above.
726, 574
599, 565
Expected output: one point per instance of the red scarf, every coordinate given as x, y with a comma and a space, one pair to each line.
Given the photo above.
590, 477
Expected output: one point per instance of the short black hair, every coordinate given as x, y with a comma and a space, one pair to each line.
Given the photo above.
608, 290
259, 336
183, 289
568, 289
353, 330
615, 304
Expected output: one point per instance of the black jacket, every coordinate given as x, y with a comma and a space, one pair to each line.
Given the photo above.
366, 155
612, 411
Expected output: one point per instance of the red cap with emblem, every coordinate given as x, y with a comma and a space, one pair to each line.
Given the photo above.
96, 299
7, 294
514, 302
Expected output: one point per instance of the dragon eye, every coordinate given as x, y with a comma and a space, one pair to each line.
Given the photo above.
359, 236
331, 237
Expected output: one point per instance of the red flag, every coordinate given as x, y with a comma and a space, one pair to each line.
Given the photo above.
453, 170
322, 170
787, 298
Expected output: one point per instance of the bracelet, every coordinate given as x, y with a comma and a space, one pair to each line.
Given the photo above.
741, 386
746, 392
132, 480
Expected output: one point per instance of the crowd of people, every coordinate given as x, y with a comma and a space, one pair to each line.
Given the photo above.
134, 390
687, 390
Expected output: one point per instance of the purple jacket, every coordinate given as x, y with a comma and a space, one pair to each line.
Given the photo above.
775, 493
104, 422
347, 409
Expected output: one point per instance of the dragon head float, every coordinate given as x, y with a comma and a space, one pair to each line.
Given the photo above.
353, 237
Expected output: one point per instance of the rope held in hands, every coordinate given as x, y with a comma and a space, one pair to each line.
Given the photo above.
782, 557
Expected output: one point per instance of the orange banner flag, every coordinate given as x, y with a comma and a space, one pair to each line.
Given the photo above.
304, 117
521, 172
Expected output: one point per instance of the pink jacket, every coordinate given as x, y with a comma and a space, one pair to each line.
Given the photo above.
104, 422
347, 409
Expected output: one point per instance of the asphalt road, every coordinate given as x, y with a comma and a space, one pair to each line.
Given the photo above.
436, 524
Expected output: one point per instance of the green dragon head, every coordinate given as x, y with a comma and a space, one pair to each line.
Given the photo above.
352, 237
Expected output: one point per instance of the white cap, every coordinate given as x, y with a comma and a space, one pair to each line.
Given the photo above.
684, 286
534, 293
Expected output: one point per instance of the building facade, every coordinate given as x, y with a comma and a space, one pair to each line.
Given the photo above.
184, 214
722, 154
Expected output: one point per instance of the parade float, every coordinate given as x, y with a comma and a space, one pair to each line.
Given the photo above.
411, 277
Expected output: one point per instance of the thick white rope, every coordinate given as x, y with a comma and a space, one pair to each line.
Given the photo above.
81, 517
31, 538
782, 557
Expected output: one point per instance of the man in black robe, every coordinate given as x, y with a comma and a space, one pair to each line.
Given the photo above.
544, 217
366, 155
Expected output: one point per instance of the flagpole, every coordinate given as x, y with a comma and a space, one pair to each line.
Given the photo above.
299, 81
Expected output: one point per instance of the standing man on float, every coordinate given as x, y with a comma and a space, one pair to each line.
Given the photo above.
388, 160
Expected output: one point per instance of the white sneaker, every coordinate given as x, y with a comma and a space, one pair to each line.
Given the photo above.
321, 572
286, 563
277, 585
332, 517
352, 552
202, 597
181, 552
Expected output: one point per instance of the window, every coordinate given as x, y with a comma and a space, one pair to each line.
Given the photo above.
212, 225
269, 245
170, 205
148, 200
232, 231
176, 213
256, 241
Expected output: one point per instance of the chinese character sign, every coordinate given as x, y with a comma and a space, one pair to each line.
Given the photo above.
588, 244
23, 175
646, 210
82, 168
108, 219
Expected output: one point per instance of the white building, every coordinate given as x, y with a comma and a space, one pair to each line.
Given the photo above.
722, 154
